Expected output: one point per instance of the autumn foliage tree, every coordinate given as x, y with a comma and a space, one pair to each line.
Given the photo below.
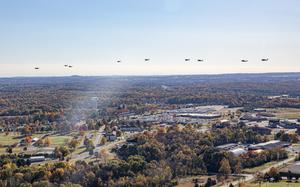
225, 168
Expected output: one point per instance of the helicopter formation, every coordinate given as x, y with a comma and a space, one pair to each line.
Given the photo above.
202, 60
263, 60
66, 66
148, 59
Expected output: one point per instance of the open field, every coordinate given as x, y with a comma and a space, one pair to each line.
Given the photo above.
15, 150
287, 113
9, 139
13, 138
57, 140
259, 168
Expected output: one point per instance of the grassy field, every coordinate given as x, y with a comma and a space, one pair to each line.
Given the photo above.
289, 113
57, 140
15, 150
278, 184
9, 139
259, 168
13, 138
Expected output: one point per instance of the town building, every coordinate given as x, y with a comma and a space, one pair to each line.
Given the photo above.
273, 144
289, 124
37, 159
110, 136
227, 147
201, 116
260, 110
292, 171
238, 151
274, 123
130, 128
261, 130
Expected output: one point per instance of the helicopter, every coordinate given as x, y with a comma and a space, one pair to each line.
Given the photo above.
265, 59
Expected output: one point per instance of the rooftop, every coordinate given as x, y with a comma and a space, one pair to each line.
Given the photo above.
294, 168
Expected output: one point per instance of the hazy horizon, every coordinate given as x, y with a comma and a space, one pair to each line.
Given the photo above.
92, 36
147, 75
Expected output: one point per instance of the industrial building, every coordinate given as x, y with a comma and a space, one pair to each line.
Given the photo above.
292, 171
130, 128
227, 147
201, 116
37, 159
235, 149
238, 151
269, 145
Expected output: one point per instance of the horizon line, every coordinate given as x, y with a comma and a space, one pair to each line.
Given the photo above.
150, 75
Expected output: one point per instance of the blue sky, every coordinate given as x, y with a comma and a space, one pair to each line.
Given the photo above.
92, 34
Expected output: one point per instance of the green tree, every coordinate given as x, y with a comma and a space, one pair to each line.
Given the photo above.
137, 163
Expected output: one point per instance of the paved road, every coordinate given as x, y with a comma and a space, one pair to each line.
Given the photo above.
85, 154
99, 136
108, 146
